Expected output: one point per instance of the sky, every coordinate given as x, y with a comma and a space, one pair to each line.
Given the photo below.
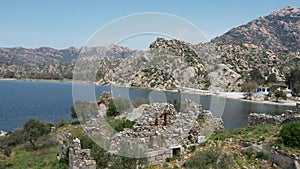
65, 23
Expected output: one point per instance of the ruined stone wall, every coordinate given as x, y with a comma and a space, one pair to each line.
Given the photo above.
158, 157
80, 158
256, 119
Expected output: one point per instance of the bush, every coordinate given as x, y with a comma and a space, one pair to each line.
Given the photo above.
117, 106
7, 151
119, 125
192, 148
296, 89
248, 153
212, 158
280, 93
290, 134
262, 155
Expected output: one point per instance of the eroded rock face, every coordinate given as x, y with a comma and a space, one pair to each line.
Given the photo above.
225, 79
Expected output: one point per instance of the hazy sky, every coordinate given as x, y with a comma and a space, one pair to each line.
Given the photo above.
65, 23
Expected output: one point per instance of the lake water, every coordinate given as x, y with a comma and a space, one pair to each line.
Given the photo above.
51, 101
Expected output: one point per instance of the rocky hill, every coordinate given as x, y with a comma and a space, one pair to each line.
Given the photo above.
269, 44
36, 57
168, 64
278, 31
49, 63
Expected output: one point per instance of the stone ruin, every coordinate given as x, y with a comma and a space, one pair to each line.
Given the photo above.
78, 158
289, 116
160, 131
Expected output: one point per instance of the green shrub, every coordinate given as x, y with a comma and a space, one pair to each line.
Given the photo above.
212, 158
7, 151
280, 93
290, 134
192, 148
117, 106
120, 124
262, 155
248, 152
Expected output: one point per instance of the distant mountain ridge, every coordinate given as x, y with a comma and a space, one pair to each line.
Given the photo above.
278, 31
269, 43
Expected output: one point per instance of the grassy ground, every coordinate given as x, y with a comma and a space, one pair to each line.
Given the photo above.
231, 142
24, 157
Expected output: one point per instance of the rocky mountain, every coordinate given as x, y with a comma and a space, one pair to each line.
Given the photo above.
168, 64
279, 31
269, 44
36, 57
49, 63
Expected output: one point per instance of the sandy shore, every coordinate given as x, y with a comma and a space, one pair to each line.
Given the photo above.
240, 96
237, 96
7, 79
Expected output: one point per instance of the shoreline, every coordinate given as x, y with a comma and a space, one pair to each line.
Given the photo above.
35, 80
238, 96
230, 95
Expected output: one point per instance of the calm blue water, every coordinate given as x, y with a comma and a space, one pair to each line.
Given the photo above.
51, 101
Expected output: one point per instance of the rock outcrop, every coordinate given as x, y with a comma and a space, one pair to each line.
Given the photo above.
278, 31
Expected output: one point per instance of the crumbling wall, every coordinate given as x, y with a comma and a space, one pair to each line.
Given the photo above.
80, 158
256, 119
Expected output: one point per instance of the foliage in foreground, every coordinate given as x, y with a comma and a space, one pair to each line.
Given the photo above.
211, 158
290, 134
117, 106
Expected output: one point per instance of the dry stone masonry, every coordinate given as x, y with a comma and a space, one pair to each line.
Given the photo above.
78, 158
160, 131
289, 116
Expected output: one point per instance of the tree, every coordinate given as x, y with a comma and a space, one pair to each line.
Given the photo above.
290, 134
256, 75
112, 109
293, 78
248, 87
280, 93
296, 89
73, 112
117, 106
33, 129
272, 78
